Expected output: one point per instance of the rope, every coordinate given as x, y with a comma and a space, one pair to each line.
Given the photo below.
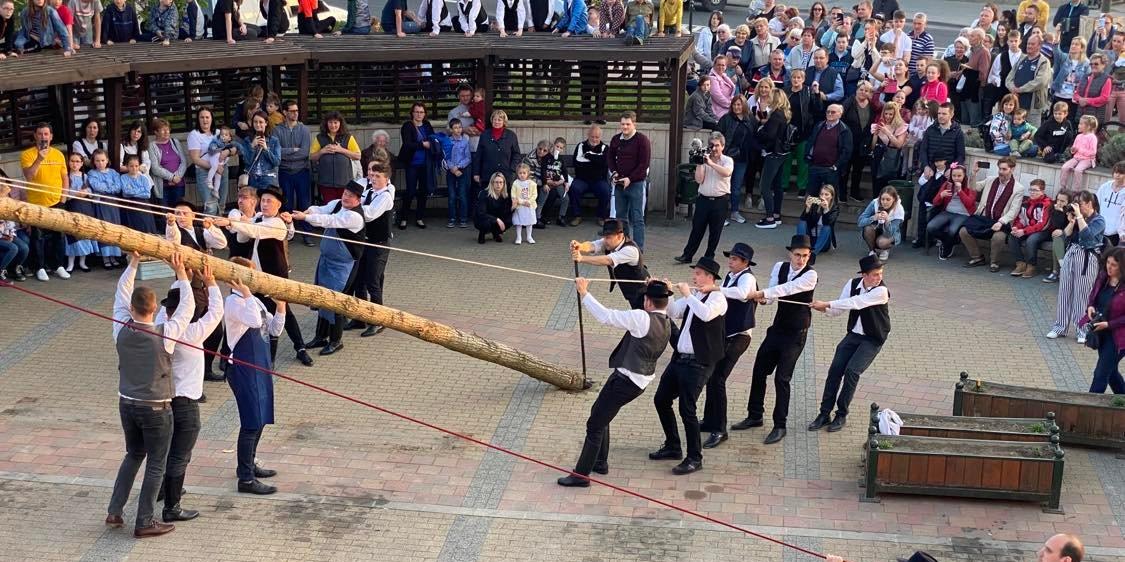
423, 423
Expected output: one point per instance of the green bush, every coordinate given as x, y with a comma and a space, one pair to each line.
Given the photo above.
972, 138
1112, 151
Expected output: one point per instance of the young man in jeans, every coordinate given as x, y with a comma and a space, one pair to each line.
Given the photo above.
628, 159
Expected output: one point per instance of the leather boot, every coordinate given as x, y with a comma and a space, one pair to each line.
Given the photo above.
321, 337
173, 491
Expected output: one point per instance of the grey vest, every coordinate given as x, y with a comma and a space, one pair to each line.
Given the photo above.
639, 355
333, 170
144, 366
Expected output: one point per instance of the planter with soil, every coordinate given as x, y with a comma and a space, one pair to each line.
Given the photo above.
1037, 430
1095, 420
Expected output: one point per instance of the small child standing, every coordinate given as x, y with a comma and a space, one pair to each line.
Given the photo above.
223, 141
137, 188
1022, 133
456, 164
103, 181
524, 193
1056, 226
77, 202
1084, 152
1000, 127
924, 115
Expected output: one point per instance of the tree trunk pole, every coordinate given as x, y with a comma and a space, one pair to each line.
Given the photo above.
293, 292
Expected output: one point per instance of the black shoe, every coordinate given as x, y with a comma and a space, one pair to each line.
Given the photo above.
19, 277
572, 481
355, 325
260, 472
372, 330
304, 358
838, 423
687, 467
213, 377
777, 434
497, 238
331, 348
202, 399
83, 269
601, 468
820, 421
540, 225
588, 122
255, 487
916, 244
179, 514
318, 342
748, 423
714, 439
480, 238
682, 259
666, 454
599, 121
559, 221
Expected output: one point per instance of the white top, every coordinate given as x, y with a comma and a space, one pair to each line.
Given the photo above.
174, 327
715, 184
747, 284
791, 286
902, 46
146, 163
199, 141
187, 362
867, 297
260, 228
994, 72
323, 217
705, 311
245, 312
377, 201
621, 254
79, 144
1112, 203
636, 322
212, 237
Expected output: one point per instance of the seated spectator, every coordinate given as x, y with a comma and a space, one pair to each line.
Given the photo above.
434, 17
1105, 313
1000, 126
87, 20
590, 176
955, 200
997, 206
48, 31
880, 223
1055, 226
612, 16
1084, 231
494, 209
1054, 136
1023, 133
227, 24
644, 10
471, 17
1092, 94
699, 114
378, 150
163, 23
67, 18
193, 24
276, 21
120, 23
7, 29
358, 21
671, 19
549, 173
1084, 155
13, 246
818, 220
309, 22
1029, 229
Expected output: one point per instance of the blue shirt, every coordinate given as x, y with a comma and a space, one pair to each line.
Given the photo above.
459, 155
139, 187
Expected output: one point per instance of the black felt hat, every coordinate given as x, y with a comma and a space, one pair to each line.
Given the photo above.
614, 226
742, 250
271, 190
869, 262
800, 242
657, 290
172, 300
709, 265
355, 188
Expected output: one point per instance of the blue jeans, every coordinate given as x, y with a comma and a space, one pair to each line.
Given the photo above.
944, 227
13, 252
630, 205
819, 177
296, 187
1106, 372
821, 241
211, 205
366, 30
769, 186
458, 196
173, 194
600, 189
737, 178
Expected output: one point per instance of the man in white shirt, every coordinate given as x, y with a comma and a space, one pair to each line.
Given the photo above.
1111, 200
145, 390
794, 281
712, 206
697, 349
204, 236
865, 300
634, 366
738, 325
187, 378
620, 255
378, 204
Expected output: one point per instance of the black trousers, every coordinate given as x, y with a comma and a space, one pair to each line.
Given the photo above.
779, 352
48, 247
715, 407
148, 433
372, 265
854, 354
617, 392
185, 431
710, 212
684, 380
592, 77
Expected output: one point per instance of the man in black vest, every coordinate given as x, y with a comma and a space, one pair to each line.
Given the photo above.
697, 349
794, 280
633, 362
204, 236
865, 299
620, 255
245, 211
145, 390
739, 323
378, 203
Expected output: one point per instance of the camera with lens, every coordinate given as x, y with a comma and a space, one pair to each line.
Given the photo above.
698, 153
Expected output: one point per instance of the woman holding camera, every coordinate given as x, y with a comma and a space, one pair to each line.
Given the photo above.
1084, 230
881, 223
818, 221
1105, 322
261, 153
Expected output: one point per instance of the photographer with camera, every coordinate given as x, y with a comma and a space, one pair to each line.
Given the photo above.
1084, 231
1105, 316
713, 171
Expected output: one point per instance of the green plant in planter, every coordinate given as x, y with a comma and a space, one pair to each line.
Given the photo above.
1037, 428
1111, 151
1118, 402
886, 444
973, 138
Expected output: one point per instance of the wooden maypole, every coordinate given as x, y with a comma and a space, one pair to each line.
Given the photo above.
294, 292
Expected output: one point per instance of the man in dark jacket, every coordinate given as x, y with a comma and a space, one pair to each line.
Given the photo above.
498, 151
591, 174
804, 107
828, 150
942, 141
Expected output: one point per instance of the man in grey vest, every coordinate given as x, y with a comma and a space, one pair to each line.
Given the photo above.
145, 389
865, 300
634, 366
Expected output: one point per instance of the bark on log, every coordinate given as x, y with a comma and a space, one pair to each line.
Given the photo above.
295, 292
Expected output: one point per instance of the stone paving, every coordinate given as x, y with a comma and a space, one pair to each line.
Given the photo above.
358, 484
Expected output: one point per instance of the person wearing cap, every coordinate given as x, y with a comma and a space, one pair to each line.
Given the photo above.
633, 361
378, 205
187, 381
620, 255
737, 286
712, 207
204, 236
268, 233
336, 269
865, 300
697, 348
794, 281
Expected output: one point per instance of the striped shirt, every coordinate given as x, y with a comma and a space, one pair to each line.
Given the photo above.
923, 46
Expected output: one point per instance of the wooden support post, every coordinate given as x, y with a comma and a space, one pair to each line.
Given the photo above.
675, 133
303, 92
113, 90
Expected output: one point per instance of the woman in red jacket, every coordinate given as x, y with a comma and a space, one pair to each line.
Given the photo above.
1107, 299
954, 210
1029, 229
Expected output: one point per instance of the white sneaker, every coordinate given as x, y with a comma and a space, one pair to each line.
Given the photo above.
61, 272
884, 254
1052, 335
1081, 338
530, 240
41, 274
726, 223
737, 217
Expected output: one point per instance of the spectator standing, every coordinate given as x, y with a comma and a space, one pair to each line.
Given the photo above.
860, 113
1105, 311
628, 159
1068, 19
738, 128
135, 143
711, 206
333, 150
899, 40
45, 167
1111, 200
829, 149
89, 142
1058, 238
1030, 79
824, 81
261, 153
378, 150
1030, 229
169, 163
469, 126
888, 134
943, 140
997, 206
1093, 93
974, 73
761, 46
1084, 231
414, 157
772, 136
591, 174
723, 89
294, 175
1002, 64
198, 140
804, 107
457, 167
498, 151
707, 43
699, 114
1070, 72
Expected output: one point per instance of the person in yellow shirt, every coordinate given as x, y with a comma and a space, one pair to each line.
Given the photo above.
45, 168
1044, 11
333, 150
671, 19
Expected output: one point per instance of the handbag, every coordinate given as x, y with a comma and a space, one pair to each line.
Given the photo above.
890, 165
1094, 338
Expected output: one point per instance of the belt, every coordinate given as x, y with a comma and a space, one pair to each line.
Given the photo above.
154, 404
715, 198
684, 356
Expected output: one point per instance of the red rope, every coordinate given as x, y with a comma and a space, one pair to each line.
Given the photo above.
423, 423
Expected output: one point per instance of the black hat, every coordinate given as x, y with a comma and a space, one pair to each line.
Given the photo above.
709, 265
743, 251
800, 242
879, 16
919, 556
172, 300
186, 203
614, 226
870, 262
271, 190
657, 290
355, 188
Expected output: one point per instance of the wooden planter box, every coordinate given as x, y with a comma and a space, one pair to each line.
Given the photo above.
1083, 418
973, 468
1029, 430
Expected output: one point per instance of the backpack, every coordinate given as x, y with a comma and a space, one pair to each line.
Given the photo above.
789, 139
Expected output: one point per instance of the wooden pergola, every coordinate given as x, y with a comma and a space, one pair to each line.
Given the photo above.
367, 78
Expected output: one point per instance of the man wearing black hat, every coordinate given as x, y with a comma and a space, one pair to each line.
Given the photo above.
697, 349
794, 281
865, 299
737, 287
378, 203
713, 205
633, 361
620, 255
336, 270
268, 233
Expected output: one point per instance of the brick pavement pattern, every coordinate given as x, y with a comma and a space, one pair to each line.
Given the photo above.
357, 484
